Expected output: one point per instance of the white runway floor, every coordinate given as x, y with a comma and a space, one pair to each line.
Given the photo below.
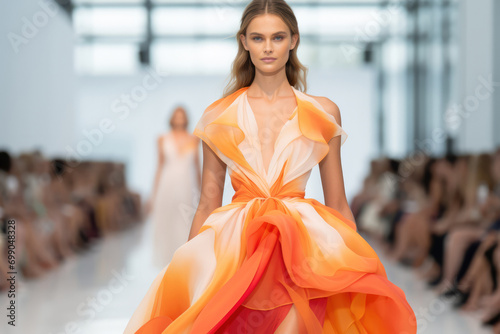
97, 291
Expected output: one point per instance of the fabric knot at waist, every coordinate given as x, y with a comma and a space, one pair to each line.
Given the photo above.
245, 195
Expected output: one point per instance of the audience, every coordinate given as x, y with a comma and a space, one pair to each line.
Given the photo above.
441, 216
60, 208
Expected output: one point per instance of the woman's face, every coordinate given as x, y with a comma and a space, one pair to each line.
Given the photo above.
179, 120
268, 36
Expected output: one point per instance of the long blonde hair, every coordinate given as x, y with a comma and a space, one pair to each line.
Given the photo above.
242, 68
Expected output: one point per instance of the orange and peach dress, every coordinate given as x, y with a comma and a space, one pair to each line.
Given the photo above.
271, 248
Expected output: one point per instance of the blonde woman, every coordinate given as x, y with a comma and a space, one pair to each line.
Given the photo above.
176, 186
272, 261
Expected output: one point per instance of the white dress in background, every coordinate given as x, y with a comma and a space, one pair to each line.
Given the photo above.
176, 200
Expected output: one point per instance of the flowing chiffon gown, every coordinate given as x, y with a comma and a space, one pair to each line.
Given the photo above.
271, 248
174, 204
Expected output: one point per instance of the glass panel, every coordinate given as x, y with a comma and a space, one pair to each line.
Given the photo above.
110, 21
345, 21
397, 21
394, 62
102, 58
190, 21
394, 56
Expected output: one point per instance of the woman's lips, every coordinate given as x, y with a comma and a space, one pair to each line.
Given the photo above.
268, 60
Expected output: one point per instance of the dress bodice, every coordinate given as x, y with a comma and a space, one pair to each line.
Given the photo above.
177, 154
229, 127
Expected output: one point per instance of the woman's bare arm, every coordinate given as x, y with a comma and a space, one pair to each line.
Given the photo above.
330, 168
197, 163
212, 187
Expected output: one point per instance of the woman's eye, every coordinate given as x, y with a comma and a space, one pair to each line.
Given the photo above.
279, 37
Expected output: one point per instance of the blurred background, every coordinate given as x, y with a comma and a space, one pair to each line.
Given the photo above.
88, 88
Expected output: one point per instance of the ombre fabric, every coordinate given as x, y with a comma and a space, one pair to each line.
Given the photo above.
271, 249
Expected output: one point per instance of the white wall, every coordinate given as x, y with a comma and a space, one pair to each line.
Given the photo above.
353, 90
36, 77
133, 138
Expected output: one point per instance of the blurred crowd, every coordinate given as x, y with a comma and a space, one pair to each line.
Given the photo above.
440, 216
52, 209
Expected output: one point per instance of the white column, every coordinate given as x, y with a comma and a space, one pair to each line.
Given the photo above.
472, 115
496, 74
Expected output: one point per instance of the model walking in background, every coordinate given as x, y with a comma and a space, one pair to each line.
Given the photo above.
176, 188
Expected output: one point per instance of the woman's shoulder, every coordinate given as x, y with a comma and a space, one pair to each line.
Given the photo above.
162, 137
328, 105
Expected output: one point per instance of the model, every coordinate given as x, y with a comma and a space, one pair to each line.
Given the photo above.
272, 261
176, 188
